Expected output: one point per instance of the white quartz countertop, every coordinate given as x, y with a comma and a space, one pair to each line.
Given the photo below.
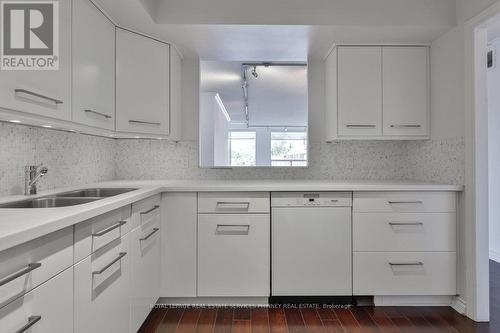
19, 225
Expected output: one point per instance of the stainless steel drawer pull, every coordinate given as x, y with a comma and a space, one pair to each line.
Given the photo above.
405, 202
98, 113
406, 126
27, 92
405, 223
360, 126
151, 234
102, 270
406, 263
20, 273
31, 321
141, 122
109, 229
233, 205
232, 229
155, 207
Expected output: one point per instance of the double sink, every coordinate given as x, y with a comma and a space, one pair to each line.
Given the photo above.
66, 199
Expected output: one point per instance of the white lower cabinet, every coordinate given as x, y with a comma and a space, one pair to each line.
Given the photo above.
404, 244
47, 308
233, 255
102, 289
145, 271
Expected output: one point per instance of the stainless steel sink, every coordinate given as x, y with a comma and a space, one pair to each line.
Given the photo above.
66, 199
95, 192
48, 202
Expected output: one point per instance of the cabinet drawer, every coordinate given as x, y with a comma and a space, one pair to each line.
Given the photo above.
234, 202
404, 232
233, 255
404, 273
47, 308
101, 290
147, 210
96, 233
34, 263
405, 202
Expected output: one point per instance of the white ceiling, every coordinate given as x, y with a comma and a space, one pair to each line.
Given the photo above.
281, 30
277, 97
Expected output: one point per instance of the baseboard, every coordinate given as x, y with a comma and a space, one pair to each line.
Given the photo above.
495, 256
213, 301
413, 300
459, 305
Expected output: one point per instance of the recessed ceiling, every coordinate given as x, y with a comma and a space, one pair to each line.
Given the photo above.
281, 30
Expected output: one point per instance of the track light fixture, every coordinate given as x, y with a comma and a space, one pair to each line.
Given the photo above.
254, 72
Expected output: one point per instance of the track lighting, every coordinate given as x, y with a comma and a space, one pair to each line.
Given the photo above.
254, 72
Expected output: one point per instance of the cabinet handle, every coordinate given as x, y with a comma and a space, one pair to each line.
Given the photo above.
232, 229
20, 273
151, 234
98, 113
111, 228
31, 321
233, 205
392, 224
141, 122
406, 263
406, 126
27, 92
361, 126
405, 202
102, 270
155, 207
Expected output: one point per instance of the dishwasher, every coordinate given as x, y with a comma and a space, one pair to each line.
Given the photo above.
311, 244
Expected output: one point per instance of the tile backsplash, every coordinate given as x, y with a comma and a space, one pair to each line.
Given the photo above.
75, 159
72, 158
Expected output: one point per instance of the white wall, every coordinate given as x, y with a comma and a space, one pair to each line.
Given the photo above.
207, 106
494, 157
221, 137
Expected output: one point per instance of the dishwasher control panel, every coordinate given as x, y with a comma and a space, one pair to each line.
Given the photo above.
311, 199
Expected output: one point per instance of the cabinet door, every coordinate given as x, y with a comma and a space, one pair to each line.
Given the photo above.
43, 92
406, 91
142, 84
145, 270
233, 255
179, 243
47, 308
360, 91
102, 289
93, 66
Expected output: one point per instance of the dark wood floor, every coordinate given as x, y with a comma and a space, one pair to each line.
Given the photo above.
321, 320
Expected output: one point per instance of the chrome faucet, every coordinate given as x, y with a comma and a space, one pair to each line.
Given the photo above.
32, 173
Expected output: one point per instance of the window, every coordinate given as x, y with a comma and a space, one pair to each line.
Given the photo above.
289, 148
242, 148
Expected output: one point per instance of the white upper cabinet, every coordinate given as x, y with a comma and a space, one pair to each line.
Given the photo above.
406, 93
377, 92
93, 66
360, 91
142, 84
45, 93
175, 94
